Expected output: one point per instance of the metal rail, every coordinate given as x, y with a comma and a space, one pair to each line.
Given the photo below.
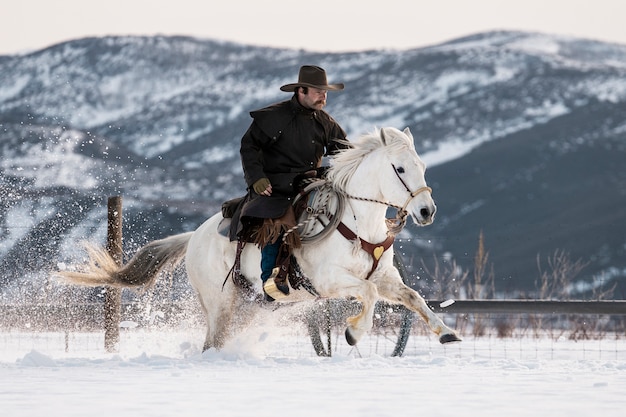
611, 307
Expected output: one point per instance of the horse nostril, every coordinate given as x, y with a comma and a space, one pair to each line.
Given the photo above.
425, 213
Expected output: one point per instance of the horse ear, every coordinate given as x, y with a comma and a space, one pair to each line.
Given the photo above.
382, 136
407, 132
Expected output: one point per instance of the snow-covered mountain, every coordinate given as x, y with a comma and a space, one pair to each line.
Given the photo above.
524, 134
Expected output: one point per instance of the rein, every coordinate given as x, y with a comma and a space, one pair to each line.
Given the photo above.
396, 224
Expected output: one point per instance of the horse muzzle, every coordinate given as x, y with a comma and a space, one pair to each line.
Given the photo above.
425, 215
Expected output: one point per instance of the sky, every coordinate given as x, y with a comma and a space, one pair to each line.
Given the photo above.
323, 25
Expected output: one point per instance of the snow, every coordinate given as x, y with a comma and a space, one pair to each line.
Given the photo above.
448, 151
537, 45
54, 162
548, 110
269, 372
10, 91
446, 303
24, 214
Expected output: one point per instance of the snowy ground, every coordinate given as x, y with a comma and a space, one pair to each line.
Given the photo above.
271, 372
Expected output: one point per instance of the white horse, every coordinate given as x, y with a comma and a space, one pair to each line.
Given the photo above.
380, 170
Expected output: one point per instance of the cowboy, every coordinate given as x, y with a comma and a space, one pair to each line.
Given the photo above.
284, 141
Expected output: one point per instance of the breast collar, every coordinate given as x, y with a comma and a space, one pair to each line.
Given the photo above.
375, 250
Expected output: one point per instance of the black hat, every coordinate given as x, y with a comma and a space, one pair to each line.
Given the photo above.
312, 76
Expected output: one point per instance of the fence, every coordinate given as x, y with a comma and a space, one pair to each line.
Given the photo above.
617, 307
480, 317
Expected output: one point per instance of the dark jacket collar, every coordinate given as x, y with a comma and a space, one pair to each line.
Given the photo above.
295, 104
274, 118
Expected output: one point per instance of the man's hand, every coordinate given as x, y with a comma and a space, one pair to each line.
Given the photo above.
263, 187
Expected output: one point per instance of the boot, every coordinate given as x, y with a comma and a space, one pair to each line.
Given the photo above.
269, 254
276, 286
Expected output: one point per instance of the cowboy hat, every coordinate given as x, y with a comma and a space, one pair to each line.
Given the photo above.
312, 76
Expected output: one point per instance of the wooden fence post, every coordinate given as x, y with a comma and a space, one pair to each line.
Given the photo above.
113, 296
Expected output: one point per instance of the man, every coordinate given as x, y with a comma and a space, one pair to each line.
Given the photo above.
284, 141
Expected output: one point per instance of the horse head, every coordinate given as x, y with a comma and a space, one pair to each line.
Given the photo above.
383, 167
408, 189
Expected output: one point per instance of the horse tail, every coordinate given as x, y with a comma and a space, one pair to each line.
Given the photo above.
142, 269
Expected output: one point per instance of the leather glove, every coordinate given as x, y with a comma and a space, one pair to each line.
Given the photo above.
260, 185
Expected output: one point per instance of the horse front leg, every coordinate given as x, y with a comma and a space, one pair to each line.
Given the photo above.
361, 323
392, 289
365, 292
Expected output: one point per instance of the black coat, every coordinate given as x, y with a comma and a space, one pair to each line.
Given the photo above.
283, 141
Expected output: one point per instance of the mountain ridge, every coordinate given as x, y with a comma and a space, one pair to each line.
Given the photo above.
158, 120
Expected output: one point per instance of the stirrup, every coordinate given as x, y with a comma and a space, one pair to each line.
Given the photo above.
276, 290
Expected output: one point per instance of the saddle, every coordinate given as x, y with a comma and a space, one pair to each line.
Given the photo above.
314, 214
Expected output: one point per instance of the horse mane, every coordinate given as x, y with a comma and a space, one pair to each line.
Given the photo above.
345, 163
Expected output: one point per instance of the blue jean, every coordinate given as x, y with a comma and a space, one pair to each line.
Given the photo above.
269, 253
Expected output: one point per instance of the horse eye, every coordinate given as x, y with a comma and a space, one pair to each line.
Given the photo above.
400, 170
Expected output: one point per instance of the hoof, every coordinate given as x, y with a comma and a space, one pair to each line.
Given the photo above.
349, 338
449, 338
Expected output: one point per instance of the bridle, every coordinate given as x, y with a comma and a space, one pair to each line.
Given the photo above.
396, 224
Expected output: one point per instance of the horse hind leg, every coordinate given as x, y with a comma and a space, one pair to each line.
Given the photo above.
208, 339
218, 325
216, 334
227, 319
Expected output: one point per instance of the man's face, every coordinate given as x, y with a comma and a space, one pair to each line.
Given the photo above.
314, 99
